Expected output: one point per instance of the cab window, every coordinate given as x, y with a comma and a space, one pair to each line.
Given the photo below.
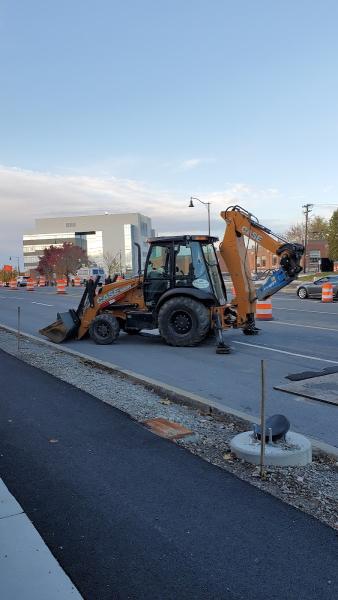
190, 269
159, 263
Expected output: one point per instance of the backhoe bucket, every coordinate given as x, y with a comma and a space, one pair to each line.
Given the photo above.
65, 328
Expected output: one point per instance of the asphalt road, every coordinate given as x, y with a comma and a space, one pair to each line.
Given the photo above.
302, 336
130, 515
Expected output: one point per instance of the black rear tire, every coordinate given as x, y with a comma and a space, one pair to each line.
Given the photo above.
302, 293
104, 329
183, 321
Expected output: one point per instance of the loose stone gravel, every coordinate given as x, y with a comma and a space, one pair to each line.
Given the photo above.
313, 488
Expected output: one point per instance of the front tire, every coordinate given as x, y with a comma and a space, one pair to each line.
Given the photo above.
183, 321
104, 329
302, 293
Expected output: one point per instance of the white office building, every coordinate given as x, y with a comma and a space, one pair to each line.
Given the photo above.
96, 234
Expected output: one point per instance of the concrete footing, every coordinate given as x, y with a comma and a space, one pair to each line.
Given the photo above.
296, 450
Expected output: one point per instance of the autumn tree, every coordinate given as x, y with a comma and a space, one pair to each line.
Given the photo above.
48, 262
333, 236
6, 275
62, 261
111, 262
70, 260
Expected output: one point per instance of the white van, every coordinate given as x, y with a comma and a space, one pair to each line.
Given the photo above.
86, 273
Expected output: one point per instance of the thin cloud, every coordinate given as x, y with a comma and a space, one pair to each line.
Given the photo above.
193, 163
26, 195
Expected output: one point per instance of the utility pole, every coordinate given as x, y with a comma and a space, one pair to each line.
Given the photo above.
307, 210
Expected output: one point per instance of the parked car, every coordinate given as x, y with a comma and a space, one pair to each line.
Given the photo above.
313, 289
21, 281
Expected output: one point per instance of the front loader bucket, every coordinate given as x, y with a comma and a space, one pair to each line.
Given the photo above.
65, 328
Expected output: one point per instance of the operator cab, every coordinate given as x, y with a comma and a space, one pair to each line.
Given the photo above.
186, 264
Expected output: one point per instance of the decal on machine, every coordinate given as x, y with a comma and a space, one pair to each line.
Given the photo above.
251, 234
201, 284
112, 295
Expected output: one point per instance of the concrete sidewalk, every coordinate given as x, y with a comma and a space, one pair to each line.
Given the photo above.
28, 570
131, 515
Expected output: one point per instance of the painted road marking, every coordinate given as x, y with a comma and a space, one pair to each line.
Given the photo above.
299, 325
333, 362
42, 303
13, 297
322, 312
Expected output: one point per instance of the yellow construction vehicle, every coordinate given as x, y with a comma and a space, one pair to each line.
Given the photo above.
181, 291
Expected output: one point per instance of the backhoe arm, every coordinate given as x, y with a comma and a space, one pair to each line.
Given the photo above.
233, 250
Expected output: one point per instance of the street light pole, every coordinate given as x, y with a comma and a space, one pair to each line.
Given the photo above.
18, 263
307, 210
207, 204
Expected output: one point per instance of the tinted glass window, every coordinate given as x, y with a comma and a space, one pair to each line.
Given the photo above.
190, 269
159, 262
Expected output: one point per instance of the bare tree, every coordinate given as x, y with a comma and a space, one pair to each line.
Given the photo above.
317, 230
111, 262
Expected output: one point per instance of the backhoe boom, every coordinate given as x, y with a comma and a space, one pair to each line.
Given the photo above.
241, 224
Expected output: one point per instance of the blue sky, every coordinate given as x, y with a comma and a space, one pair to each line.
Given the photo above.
137, 104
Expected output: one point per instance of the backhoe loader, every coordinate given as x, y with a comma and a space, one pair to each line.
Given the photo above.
181, 291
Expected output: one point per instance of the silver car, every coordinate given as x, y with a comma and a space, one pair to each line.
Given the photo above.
313, 289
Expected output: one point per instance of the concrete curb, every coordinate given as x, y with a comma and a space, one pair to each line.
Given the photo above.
177, 395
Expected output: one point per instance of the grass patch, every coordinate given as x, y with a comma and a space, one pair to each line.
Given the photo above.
310, 276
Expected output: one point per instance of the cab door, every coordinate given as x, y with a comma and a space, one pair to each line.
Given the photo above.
158, 274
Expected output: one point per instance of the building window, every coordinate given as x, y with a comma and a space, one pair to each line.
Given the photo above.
68, 225
144, 228
274, 261
263, 261
128, 247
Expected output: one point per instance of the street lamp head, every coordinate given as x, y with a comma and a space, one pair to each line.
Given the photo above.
191, 205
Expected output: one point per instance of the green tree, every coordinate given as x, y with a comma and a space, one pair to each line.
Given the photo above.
333, 236
318, 228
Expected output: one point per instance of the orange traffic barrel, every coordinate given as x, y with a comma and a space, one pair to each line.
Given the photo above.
42, 281
12, 284
30, 285
264, 310
77, 281
327, 292
61, 286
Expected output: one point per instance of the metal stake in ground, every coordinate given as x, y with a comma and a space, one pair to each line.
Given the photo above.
19, 326
261, 464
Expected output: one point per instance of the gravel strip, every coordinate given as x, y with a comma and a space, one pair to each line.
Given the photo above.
313, 488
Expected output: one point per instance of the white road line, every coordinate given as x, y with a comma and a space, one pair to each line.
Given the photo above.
299, 325
322, 312
333, 362
42, 303
13, 297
